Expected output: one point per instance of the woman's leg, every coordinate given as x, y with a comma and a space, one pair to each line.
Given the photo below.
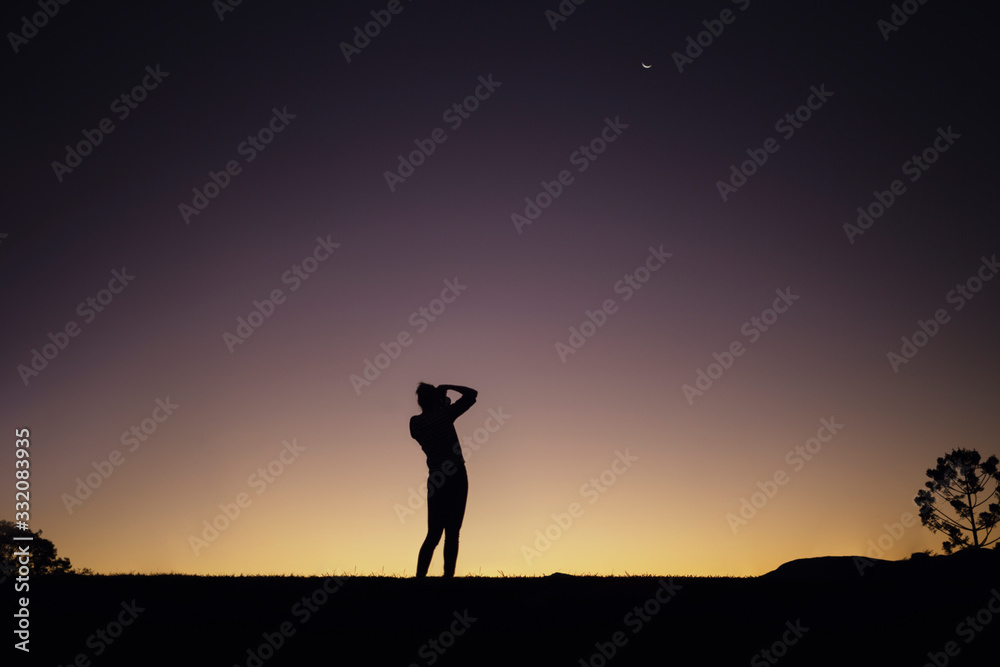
427, 551
435, 526
457, 496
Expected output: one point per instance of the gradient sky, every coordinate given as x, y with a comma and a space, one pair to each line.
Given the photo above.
335, 506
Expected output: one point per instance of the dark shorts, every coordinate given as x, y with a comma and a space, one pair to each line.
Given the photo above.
446, 497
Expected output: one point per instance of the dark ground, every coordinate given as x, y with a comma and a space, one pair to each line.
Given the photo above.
895, 613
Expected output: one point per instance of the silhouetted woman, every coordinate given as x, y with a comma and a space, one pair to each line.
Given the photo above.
447, 481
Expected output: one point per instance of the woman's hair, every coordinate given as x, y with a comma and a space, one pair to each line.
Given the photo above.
427, 395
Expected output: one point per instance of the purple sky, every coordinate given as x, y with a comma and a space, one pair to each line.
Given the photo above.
338, 263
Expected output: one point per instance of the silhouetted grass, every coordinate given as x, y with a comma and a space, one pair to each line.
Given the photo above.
893, 614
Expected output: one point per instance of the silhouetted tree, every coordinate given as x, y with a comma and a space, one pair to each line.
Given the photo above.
43, 558
962, 481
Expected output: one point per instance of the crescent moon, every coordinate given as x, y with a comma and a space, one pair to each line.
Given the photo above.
646, 66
